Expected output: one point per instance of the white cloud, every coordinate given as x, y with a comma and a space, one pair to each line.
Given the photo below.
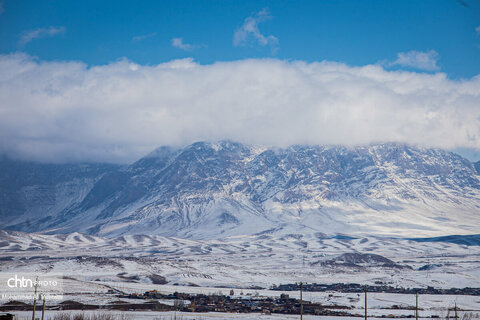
2, 10
41, 33
178, 43
121, 111
418, 60
143, 37
477, 29
249, 32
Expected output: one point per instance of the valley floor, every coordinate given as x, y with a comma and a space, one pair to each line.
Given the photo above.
152, 315
96, 270
380, 304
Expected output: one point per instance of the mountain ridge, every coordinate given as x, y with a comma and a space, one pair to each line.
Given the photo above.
216, 190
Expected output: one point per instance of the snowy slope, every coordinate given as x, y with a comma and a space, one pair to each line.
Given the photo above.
218, 190
245, 261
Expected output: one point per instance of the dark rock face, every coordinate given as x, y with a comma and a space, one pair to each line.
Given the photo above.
29, 191
477, 166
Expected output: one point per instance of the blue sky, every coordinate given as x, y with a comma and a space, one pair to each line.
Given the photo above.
112, 80
353, 32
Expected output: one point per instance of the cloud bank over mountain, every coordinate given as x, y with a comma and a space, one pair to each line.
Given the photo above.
67, 111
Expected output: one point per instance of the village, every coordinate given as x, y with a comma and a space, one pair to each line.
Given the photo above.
184, 302
379, 287
240, 303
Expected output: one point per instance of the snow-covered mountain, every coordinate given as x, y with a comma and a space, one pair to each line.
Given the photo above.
217, 190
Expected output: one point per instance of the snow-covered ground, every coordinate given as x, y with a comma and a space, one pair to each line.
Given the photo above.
91, 266
261, 260
153, 315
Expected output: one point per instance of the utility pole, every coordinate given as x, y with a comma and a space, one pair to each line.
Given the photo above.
456, 315
43, 309
175, 305
35, 298
365, 302
301, 300
416, 305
